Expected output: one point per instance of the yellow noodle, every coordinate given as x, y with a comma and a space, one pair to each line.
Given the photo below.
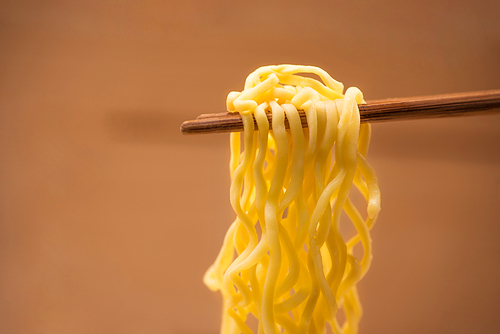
284, 259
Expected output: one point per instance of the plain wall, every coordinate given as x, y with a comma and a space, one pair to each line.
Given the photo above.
109, 216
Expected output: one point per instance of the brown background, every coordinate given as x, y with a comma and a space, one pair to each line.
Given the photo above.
109, 216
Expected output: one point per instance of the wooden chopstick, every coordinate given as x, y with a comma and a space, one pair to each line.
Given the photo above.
473, 103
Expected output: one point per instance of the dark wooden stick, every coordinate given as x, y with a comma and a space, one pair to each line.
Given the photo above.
461, 104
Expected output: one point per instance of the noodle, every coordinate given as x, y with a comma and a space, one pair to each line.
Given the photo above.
284, 259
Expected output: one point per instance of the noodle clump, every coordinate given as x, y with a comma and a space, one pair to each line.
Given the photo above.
284, 259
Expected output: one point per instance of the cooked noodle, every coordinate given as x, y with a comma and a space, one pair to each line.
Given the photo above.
284, 259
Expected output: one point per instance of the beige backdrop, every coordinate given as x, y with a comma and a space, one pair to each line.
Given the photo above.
109, 216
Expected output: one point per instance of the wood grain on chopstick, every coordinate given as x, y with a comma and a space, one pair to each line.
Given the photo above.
460, 104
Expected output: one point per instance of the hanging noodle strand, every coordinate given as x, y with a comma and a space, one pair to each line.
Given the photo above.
284, 259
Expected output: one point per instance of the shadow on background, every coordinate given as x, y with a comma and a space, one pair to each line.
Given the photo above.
155, 127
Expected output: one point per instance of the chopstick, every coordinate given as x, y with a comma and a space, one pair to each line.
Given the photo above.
461, 104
